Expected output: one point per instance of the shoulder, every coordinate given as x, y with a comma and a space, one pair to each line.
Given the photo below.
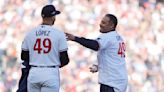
105, 35
32, 30
110, 36
59, 30
28, 34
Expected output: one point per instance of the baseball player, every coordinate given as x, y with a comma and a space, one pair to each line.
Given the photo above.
46, 49
111, 55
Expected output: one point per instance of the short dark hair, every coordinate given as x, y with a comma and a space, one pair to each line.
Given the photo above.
113, 18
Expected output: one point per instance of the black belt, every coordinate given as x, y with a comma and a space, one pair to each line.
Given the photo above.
43, 66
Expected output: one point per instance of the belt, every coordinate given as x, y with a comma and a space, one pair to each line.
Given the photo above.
43, 66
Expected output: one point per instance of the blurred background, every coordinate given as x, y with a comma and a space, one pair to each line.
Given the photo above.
141, 23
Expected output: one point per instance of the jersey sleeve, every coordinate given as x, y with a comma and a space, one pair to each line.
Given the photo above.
103, 41
63, 43
25, 44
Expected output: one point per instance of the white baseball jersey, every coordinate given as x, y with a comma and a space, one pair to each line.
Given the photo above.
111, 61
44, 44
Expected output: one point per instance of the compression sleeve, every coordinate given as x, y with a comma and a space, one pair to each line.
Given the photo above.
89, 43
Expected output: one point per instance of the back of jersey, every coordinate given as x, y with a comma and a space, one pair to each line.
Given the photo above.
44, 44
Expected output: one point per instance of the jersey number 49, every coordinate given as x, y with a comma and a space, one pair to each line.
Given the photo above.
43, 46
121, 50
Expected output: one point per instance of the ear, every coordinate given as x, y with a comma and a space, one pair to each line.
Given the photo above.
112, 25
53, 17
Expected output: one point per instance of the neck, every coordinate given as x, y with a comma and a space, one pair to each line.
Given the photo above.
108, 31
46, 22
112, 30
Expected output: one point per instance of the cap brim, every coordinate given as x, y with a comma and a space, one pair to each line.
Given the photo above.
57, 12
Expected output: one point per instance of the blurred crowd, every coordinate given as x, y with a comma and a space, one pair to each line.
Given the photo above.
141, 22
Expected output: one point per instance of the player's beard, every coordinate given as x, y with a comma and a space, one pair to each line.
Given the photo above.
101, 30
53, 22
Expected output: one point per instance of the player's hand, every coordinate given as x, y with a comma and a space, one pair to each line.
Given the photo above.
70, 36
93, 68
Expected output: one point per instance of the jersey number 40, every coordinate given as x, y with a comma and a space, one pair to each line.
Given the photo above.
42, 45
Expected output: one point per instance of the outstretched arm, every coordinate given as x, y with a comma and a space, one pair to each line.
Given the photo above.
89, 43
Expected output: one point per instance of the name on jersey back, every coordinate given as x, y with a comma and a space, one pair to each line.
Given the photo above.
42, 33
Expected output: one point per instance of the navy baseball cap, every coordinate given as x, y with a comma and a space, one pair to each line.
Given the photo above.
49, 11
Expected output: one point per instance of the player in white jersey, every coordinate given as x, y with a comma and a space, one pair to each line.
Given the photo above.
111, 55
45, 47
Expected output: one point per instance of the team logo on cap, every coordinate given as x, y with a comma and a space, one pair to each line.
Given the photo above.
42, 15
53, 12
